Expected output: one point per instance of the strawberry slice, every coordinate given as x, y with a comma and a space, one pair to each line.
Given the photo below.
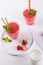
24, 47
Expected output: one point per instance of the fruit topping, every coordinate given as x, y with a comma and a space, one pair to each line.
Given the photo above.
24, 42
19, 47
23, 46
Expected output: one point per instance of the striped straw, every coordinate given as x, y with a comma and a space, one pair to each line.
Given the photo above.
3, 21
28, 5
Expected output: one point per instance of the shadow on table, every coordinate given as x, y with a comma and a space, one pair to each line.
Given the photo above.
39, 21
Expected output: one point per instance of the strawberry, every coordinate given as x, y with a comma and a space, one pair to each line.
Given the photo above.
23, 47
24, 42
19, 47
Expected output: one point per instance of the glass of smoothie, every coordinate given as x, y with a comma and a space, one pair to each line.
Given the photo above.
12, 28
29, 14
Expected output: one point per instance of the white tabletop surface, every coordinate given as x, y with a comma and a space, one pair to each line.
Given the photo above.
12, 9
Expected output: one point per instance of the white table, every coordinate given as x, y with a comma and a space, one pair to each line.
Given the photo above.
13, 9
6, 59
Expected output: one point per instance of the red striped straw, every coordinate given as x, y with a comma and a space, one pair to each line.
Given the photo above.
3, 21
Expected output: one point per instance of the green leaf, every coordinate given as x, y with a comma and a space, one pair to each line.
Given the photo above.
10, 40
32, 12
4, 27
6, 39
9, 28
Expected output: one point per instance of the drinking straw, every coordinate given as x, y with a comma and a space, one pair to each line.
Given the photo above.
3, 21
28, 5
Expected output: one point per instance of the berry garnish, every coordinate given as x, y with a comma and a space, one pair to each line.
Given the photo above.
19, 47
24, 42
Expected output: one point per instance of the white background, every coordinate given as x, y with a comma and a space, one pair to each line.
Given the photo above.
13, 10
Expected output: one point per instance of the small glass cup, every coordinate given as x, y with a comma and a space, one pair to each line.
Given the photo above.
35, 56
29, 19
15, 29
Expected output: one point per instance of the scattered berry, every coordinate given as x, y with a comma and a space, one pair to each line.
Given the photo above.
24, 42
23, 47
19, 47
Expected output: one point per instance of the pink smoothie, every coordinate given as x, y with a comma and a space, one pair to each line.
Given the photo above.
14, 30
29, 18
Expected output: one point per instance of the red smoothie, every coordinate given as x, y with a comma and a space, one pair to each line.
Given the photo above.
13, 33
29, 18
